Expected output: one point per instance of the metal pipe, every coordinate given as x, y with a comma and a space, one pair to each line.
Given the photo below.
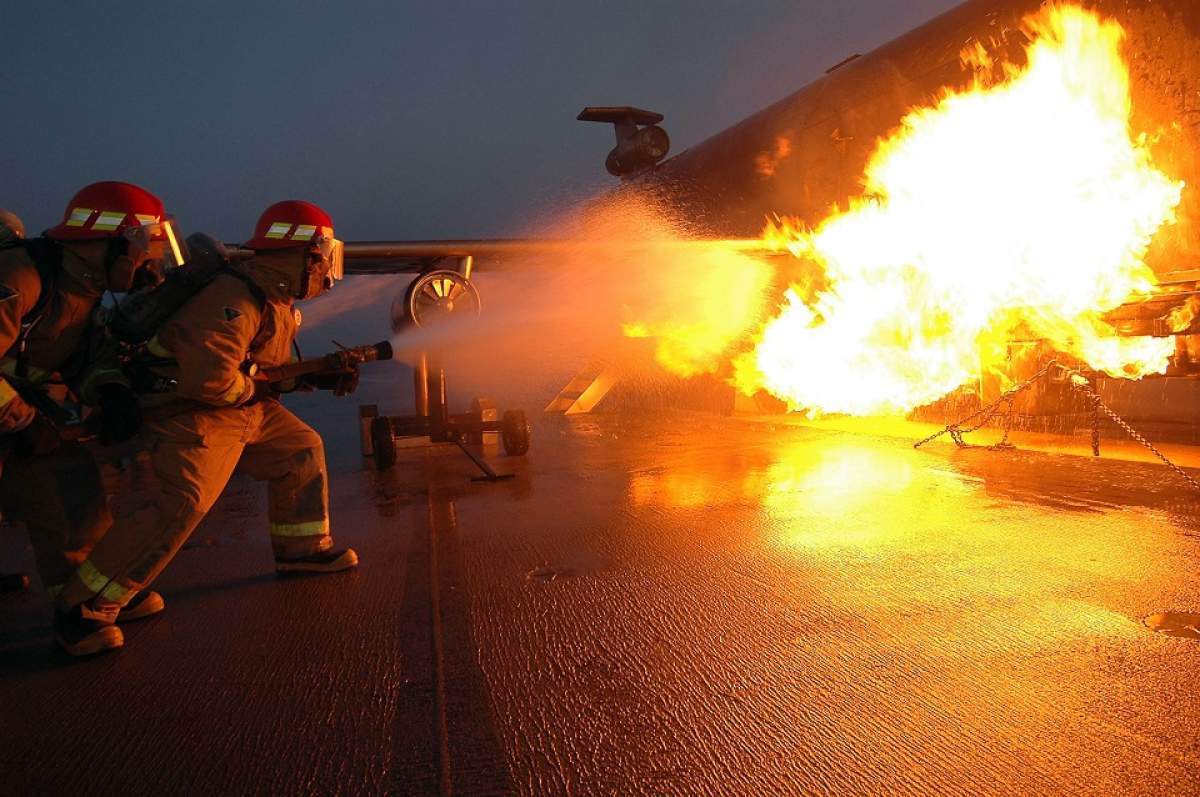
421, 387
526, 246
399, 257
439, 410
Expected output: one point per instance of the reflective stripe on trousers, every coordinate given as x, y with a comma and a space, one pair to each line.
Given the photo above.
104, 586
193, 456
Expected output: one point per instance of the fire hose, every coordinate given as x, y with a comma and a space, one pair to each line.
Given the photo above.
71, 429
341, 360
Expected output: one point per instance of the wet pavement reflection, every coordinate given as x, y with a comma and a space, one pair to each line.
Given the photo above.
810, 608
686, 604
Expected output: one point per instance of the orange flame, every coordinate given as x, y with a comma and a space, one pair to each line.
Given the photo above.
1021, 202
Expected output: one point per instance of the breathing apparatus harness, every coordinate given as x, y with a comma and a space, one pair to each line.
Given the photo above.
132, 324
47, 257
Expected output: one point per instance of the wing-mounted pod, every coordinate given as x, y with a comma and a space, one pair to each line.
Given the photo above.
641, 143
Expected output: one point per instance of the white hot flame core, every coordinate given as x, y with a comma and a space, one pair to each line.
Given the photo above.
1023, 203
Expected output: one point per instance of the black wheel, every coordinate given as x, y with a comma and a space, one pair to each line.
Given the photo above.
384, 443
435, 296
514, 433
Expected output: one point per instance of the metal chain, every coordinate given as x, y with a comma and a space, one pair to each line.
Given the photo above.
1004, 444
1078, 382
956, 430
1094, 400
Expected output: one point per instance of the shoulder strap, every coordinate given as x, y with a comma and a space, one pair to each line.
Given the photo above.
47, 257
255, 289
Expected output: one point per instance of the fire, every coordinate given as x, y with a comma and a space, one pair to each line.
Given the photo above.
716, 297
1022, 204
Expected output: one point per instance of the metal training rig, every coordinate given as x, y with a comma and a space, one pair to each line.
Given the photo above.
435, 295
1002, 409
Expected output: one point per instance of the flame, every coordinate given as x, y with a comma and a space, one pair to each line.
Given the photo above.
718, 304
1023, 202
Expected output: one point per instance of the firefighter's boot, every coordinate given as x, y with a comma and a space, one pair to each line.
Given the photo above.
144, 604
80, 632
330, 561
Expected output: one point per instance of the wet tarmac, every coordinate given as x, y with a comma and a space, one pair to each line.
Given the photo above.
689, 604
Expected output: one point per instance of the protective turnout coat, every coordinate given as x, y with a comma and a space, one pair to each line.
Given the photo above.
229, 323
56, 340
193, 452
59, 497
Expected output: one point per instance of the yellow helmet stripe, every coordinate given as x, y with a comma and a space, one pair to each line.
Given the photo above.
304, 232
109, 220
79, 217
279, 229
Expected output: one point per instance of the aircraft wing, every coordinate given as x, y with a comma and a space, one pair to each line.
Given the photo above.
413, 257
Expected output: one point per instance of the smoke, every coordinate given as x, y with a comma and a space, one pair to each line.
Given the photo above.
629, 287
351, 297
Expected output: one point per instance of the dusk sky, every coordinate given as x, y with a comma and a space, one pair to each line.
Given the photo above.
429, 120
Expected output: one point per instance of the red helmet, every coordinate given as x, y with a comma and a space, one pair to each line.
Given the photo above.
292, 222
106, 210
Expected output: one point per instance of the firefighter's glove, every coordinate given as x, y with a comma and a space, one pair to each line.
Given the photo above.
342, 382
120, 413
263, 390
39, 437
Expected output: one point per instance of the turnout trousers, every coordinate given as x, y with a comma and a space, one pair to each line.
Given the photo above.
193, 456
59, 497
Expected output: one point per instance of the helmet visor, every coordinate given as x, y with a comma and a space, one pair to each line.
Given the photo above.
165, 245
333, 252
176, 253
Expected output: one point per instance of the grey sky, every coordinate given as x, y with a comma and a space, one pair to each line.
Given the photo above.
404, 120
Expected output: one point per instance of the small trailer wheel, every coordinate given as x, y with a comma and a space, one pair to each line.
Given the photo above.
514, 433
384, 443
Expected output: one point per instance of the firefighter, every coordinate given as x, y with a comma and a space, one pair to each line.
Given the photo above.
50, 286
12, 229
207, 355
